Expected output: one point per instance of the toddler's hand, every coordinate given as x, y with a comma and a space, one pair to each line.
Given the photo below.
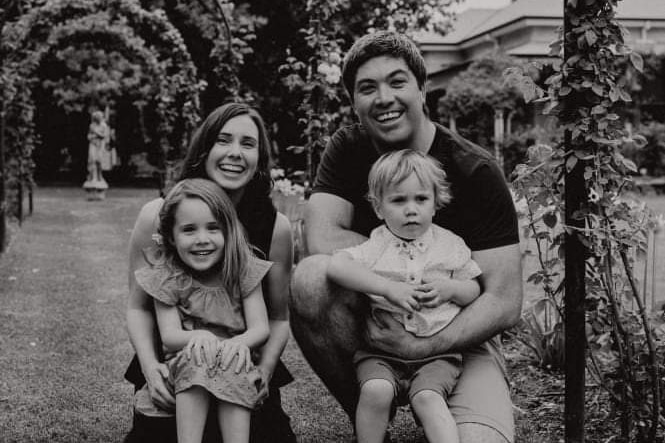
203, 347
404, 296
228, 349
436, 292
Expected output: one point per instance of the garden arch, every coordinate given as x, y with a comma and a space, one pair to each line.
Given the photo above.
143, 36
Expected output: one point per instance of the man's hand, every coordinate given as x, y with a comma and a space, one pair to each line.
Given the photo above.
203, 347
388, 335
403, 295
160, 391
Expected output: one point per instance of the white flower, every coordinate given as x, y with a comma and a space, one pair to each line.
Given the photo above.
593, 196
276, 173
334, 58
332, 73
157, 238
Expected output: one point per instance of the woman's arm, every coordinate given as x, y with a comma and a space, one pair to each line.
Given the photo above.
140, 317
276, 296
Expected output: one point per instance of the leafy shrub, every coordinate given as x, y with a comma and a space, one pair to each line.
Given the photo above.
650, 158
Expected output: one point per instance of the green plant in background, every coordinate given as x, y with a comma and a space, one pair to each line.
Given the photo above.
650, 158
626, 346
538, 191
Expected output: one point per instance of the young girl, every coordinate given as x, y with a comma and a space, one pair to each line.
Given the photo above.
421, 274
206, 286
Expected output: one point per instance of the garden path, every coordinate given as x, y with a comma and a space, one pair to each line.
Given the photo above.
62, 326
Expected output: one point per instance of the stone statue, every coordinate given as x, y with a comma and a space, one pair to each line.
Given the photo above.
99, 156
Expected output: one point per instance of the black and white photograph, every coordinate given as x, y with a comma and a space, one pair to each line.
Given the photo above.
332, 221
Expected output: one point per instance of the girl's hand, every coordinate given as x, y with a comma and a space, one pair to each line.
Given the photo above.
228, 349
404, 296
203, 347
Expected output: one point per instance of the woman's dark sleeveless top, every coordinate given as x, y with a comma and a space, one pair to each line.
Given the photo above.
257, 215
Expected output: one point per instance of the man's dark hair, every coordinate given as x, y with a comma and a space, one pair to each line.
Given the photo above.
388, 43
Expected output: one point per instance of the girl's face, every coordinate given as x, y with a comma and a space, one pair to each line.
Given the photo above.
407, 207
197, 236
234, 157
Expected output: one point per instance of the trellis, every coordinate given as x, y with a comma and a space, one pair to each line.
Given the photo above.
146, 36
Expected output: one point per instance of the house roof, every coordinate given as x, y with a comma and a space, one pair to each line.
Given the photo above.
474, 22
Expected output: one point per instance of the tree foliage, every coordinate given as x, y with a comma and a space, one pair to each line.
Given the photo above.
481, 88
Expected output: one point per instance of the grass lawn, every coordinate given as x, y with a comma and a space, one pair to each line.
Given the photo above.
64, 344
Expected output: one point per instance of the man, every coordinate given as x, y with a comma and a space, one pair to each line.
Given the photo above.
385, 76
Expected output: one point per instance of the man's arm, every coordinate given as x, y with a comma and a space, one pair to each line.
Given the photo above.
328, 224
496, 309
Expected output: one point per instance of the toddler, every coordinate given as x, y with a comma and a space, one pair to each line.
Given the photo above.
421, 274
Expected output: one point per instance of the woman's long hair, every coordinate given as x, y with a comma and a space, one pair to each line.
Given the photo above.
232, 266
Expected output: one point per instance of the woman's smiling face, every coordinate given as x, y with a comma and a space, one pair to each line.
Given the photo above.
233, 159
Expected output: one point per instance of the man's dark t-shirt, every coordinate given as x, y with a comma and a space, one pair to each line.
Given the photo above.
481, 211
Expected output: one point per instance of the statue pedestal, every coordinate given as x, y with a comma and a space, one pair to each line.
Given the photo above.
96, 189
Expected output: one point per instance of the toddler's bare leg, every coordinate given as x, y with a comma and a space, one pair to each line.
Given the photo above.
373, 412
437, 421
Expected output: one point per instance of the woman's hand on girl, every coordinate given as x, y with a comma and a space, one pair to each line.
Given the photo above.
228, 349
160, 391
203, 347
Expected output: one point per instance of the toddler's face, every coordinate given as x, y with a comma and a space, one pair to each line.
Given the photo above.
197, 236
407, 207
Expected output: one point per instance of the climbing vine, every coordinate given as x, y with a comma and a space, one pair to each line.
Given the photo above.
587, 93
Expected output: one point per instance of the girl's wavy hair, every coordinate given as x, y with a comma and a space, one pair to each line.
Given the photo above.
394, 167
232, 266
206, 135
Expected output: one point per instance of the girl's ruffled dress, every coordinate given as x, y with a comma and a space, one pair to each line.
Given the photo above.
212, 309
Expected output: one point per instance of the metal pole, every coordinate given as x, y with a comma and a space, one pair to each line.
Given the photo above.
575, 261
3, 226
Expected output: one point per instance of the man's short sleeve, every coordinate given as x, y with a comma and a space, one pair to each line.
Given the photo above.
333, 177
490, 218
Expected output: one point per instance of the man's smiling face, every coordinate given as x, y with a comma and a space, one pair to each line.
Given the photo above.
389, 103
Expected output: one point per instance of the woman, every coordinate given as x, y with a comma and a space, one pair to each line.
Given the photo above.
231, 147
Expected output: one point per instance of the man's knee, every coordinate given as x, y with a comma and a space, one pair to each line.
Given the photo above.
479, 433
309, 284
